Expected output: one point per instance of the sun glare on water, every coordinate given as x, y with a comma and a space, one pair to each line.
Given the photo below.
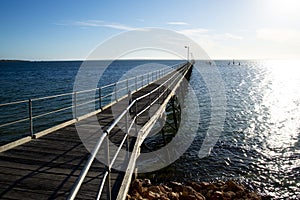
283, 101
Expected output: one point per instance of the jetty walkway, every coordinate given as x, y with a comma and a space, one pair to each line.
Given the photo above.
55, 163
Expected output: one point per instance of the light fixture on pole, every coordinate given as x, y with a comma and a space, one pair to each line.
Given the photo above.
188, 52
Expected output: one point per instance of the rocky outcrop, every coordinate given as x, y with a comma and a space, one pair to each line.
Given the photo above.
143, 189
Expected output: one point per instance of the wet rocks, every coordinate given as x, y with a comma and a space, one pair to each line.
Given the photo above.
143, 189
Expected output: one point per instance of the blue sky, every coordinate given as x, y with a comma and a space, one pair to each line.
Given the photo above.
70, 30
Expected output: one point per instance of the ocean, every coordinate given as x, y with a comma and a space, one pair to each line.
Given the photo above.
260, 142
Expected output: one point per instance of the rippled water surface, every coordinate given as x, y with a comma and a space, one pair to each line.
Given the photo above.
260, 141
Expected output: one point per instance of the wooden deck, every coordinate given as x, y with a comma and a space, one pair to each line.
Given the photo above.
47, 167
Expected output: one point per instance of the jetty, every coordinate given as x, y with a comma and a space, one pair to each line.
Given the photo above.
61, 163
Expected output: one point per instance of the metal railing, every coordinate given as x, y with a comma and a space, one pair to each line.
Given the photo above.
153, 97
62, 105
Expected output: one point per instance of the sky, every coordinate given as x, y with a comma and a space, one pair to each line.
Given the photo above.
71, 29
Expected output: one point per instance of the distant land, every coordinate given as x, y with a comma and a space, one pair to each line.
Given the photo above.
15, 61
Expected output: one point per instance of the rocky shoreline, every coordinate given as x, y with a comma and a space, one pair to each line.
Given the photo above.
143, 189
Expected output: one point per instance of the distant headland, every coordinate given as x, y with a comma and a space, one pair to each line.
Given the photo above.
14, 60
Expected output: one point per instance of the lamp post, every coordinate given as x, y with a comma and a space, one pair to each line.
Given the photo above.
188, 52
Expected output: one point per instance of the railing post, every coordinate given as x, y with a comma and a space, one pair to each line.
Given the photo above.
152, 76
136, 83
142, 80
148, 78
100, 98
136, 118
127, 86
115, 91
75, 105
30, 118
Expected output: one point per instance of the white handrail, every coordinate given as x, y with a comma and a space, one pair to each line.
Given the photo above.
83, 174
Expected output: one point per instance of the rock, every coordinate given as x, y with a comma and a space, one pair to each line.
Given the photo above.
229, 194
174, 184
209, 193
186, 190
173, 196
164, 198
220, 183
135, 194
240, 194
138, 185
188, 197
177, 189
253, 196
154, 189
212, 187
217, 195
151, 195
195, 186
232, 186
166, 188
204, 184
146, 183
143, 189
200, 196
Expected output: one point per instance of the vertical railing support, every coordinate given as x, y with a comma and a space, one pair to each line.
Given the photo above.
75, 105
136, 118
142, 80
152, 76
148, 78
115, 91
136, 83
127, 89
30, 118
100, 98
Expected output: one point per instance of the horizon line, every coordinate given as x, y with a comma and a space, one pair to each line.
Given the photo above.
127, 59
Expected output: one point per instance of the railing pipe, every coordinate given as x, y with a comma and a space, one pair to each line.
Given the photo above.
86, 168
13, 103
108, 168
115, 91
102, 185
30, 118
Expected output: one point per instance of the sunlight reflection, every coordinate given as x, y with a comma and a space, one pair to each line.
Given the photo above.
282, 98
